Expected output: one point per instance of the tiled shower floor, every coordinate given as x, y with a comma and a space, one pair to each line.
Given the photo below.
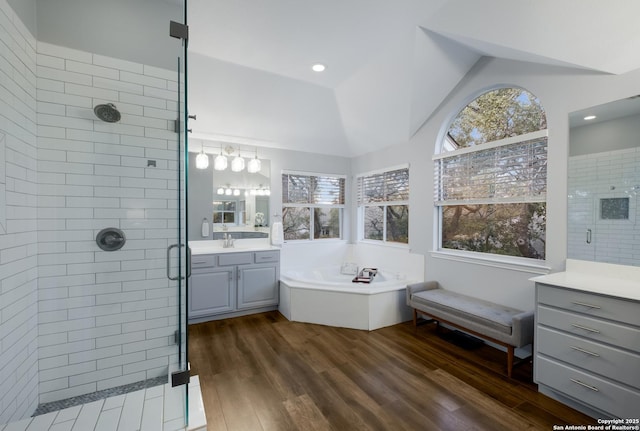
151, 409
96, 396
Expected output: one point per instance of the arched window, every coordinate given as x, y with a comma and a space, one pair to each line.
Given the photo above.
491, 176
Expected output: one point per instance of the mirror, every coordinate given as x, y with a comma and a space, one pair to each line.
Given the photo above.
227, 201
248, 193
604, 183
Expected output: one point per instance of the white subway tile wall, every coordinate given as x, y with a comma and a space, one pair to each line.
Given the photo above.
107, 318
18, 219
614, 174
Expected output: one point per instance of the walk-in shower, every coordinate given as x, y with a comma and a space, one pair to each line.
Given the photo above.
94, 140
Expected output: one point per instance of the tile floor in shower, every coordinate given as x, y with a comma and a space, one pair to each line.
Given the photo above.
150, 409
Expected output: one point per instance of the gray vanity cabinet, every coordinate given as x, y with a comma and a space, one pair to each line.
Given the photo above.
588, 350
257, 285
211, 292
233, 284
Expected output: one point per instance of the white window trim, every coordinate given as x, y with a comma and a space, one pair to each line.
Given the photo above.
521, 264
312, 206
494, 144
535, 266
360, 208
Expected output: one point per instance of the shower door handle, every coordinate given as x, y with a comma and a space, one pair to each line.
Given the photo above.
172, 246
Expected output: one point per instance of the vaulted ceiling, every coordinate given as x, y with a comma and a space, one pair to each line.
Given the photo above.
389, 63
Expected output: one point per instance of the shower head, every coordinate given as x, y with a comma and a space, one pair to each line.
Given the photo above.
107, 112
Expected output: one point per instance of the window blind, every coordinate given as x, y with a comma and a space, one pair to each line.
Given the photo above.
311, 189
510, 173
390, 186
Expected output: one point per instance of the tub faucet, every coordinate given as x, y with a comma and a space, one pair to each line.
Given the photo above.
227, 241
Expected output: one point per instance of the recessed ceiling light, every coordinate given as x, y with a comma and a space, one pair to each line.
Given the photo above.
590, 117
318, 67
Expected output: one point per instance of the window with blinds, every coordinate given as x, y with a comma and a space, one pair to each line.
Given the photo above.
491, 196
383, 206
505, 172
312, 206
311, 189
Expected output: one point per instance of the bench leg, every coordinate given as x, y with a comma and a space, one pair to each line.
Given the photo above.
510, 355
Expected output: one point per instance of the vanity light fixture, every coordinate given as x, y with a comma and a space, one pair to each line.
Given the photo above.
220, 191
202, 160
318, 67
254, 164
220, 162
237, 164
590, 117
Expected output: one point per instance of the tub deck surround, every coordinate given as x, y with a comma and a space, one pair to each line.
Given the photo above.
312, 290
326, 297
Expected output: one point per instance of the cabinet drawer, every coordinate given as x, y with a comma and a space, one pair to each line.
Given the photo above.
203, 261
590, 304
590, 328
601, 359
235, 259
600, 393
267, 256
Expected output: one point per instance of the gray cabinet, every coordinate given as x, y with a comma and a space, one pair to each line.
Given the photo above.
233, 284
211, 292
588, 350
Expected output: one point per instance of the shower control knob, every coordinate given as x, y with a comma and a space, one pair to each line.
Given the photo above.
110, 239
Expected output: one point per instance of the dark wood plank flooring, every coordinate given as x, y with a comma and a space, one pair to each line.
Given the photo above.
262, 372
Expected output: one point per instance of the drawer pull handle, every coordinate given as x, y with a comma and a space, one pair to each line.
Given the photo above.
584, 351
584, 304
593, 388
595, 331
199, 263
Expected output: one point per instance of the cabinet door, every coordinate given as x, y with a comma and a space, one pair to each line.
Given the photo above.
257, 285
211, 292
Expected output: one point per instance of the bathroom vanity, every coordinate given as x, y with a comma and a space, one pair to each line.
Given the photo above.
230, 282
587, 338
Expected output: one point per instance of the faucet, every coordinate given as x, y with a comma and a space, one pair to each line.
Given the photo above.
227, 240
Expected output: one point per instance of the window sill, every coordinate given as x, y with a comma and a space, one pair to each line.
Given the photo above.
496, 261
385, 244
314, 241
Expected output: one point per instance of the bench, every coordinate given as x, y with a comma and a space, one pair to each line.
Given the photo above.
497, 323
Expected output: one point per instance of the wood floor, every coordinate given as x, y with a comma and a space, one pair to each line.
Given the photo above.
262, 372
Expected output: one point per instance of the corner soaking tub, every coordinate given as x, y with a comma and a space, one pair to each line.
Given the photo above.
326, 297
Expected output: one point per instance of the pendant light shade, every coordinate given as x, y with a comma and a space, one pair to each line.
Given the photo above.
237, 164
220, 162
202, 160
254, 165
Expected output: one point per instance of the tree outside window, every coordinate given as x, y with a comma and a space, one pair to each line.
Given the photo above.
312, 206
383, 204
491, 176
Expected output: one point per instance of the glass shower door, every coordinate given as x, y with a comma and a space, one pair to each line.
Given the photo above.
178, 252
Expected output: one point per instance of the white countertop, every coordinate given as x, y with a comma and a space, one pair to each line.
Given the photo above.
240, 245
593, 277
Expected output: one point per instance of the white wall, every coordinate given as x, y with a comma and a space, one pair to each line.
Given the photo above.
609, 135
18, 236
131, 30
560, 91
106, 318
